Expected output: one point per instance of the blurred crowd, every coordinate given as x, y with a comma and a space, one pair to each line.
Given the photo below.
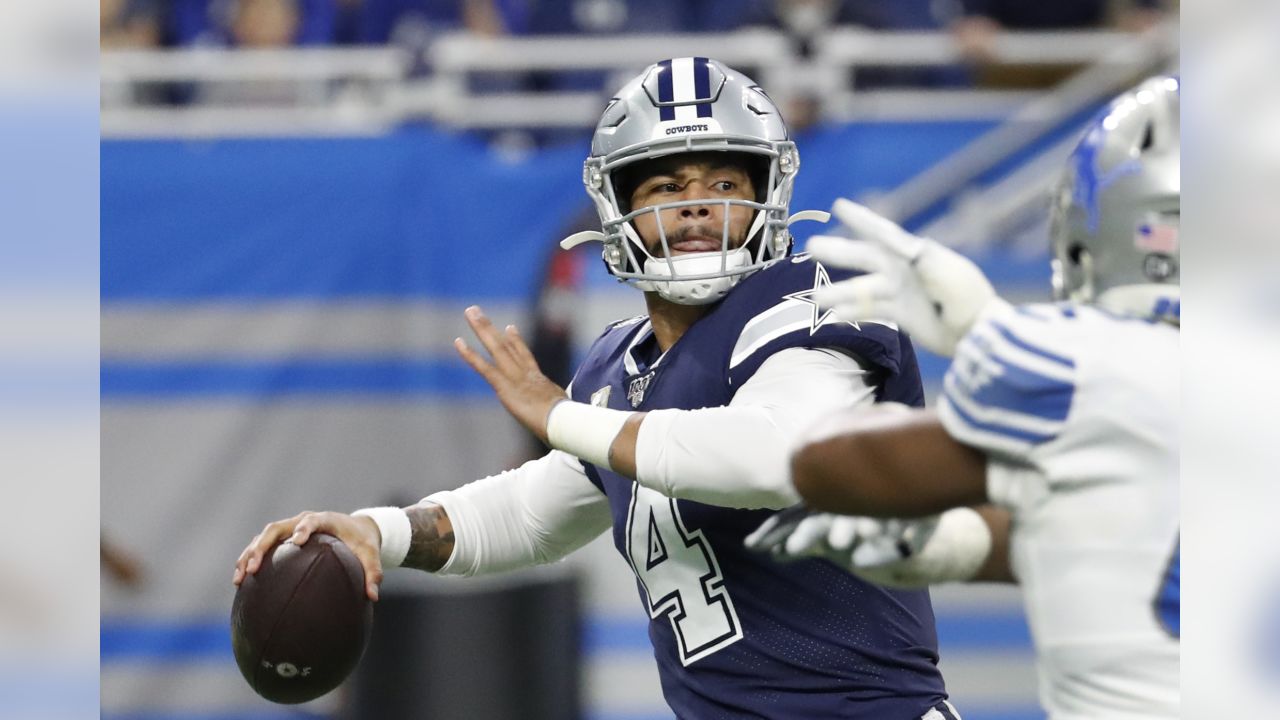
975, 27
282, 23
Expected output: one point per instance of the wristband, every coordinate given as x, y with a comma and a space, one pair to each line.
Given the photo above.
585, 431
957, 549
393, 524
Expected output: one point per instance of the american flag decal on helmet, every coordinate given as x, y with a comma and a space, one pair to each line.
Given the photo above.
684, 89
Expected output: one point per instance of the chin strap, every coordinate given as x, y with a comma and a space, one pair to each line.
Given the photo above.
1152, 301
580, 238
821, 216
695, 292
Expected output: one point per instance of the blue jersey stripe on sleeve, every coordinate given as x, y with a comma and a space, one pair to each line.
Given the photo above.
1018, 342
996, 428
1017, 389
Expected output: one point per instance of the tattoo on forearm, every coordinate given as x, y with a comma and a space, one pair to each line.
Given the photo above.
432, 542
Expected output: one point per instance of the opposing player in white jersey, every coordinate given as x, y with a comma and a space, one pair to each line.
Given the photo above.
1066, 415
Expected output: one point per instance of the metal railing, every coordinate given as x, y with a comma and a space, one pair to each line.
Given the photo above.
204, 91
372, 90
976, 214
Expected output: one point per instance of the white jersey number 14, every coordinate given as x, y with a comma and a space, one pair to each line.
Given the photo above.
680, 576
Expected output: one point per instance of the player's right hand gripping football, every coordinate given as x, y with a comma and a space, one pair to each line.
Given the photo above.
882, 551
932, 292
360, 534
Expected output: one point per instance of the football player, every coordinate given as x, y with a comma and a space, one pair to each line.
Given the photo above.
1064, 414
676, 430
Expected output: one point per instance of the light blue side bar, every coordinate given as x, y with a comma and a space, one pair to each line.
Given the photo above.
161, 381
208, 639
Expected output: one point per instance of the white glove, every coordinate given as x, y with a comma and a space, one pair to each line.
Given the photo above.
891, 552
930, 291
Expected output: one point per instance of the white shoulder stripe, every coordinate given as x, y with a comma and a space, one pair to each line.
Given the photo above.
790, 315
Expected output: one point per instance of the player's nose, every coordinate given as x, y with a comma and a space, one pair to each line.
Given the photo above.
695, 191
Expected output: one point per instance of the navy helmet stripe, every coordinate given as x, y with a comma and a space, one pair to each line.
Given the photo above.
666, 92
702, 85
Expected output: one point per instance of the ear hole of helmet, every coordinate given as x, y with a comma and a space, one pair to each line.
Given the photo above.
1148, 137
1075, 253
1082, 259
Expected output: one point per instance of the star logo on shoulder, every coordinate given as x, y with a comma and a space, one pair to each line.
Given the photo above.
820, 316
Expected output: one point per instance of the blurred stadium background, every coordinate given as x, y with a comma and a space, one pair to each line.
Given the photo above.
298, 197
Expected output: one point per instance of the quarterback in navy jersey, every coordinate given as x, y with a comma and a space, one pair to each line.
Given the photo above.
676, 429
736, 634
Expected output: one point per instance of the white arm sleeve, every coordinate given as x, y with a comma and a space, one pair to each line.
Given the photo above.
738, 455
535, 514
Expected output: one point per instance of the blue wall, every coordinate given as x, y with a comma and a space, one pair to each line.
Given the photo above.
422, 213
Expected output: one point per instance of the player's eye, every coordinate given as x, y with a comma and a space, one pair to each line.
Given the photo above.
669, 187
725, 185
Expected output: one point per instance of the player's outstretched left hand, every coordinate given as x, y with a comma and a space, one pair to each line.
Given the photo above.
931, 291
512, 372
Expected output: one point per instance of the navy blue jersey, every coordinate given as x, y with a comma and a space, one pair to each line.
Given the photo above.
736, 634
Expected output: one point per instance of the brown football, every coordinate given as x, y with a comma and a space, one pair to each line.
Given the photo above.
301, 622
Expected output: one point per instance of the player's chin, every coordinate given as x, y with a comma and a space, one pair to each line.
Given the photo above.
691, 249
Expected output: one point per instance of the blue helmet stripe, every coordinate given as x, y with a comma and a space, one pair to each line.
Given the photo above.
1169, 599
702, 85
666, 92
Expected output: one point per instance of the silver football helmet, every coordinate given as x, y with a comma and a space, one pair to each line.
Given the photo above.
688, 105
1115, 216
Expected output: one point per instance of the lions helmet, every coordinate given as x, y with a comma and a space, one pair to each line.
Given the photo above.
1115, 216
690, 105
